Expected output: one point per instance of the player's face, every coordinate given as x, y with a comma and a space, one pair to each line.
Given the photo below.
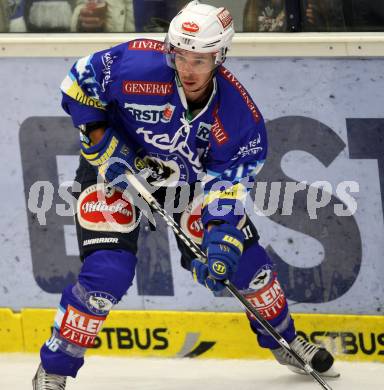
194, 69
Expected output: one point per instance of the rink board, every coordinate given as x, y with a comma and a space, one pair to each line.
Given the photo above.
197, 334
327, 127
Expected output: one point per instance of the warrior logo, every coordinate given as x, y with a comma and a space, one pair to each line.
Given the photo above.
219, 267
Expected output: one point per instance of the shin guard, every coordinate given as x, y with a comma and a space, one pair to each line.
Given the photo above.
103, 280
258, 283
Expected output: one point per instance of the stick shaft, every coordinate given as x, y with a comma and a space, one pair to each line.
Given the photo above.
149, 198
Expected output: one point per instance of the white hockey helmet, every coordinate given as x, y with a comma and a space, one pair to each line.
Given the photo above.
200, 28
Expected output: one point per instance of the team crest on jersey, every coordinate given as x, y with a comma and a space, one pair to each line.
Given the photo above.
163, 172
151, 114
166, 169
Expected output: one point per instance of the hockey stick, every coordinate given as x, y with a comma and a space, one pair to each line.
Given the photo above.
148, 197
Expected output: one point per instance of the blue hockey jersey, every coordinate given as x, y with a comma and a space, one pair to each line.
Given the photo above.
131, 88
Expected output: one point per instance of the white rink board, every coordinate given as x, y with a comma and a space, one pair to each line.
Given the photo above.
99, 373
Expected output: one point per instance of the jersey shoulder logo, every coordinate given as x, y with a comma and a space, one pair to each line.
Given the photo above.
146, 45
242, 91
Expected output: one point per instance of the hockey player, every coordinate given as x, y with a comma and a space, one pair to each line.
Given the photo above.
171, 106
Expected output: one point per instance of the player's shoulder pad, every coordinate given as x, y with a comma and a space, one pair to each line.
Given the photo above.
90, 77
234, 96
144, 59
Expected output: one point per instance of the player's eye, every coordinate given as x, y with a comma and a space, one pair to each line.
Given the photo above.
180, 58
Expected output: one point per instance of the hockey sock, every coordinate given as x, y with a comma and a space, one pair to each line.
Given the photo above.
104, 278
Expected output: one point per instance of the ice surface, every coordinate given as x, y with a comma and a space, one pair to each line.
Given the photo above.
107, 373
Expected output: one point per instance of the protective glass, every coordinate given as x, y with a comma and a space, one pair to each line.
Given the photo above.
185, 61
